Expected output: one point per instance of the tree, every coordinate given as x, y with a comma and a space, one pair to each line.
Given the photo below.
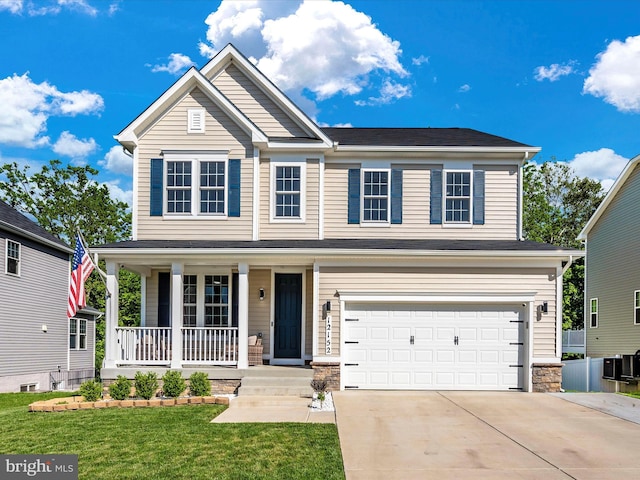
557, 205
63, 199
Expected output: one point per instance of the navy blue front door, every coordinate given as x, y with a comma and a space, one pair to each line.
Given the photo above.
288, 315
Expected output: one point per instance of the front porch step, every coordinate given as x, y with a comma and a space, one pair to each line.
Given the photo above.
282, 382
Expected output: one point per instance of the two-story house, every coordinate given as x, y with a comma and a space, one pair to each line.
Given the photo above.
386, 258
40, 348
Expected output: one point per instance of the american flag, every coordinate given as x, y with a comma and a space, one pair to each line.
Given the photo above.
81, 268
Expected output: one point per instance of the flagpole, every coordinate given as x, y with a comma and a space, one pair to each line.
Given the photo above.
103, 275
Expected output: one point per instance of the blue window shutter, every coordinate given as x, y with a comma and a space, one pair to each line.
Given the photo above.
436, 197
478, 197
234, 188
155, 200
354, 196
396, 195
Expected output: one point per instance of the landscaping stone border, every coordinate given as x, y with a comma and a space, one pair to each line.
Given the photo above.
77, 402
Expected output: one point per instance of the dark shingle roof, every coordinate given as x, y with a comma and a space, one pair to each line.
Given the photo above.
10, 217
345, 244
418, 137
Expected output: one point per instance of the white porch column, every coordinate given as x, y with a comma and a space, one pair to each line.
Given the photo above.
111, 316
176, 314
243, 315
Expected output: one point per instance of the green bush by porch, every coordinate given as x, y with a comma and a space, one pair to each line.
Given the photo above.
178, 442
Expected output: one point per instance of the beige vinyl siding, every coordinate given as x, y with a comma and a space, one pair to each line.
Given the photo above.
260, 311
501, 207
283, 229
35, 298
255, 104
170, 133
442, 281
613, 273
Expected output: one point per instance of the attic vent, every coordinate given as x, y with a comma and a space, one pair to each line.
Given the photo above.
196, 120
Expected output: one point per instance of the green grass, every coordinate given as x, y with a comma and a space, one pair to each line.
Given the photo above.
170, 443
633, 394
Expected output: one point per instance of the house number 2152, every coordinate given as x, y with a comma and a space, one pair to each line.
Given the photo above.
328, 335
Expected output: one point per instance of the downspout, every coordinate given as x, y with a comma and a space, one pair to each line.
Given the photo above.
521, 195
568, 265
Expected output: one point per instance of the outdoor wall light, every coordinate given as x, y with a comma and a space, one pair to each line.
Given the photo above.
261, 294
328, 306
44, 328
544, 308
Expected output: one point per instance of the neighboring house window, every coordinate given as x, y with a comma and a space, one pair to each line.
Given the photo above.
195, 120
457, 197
593, 312
375, 196
12, 263
77, 334
637, 307
216, 301
288, 184
189, 300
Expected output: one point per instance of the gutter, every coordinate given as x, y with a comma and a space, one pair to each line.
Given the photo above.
37, 238
568, 265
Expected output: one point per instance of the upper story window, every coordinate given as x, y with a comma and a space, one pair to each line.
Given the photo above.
288, 187
636, 312
12, 258
375, 196
179, 187
77, 334
458, 197
593, 313
195, 120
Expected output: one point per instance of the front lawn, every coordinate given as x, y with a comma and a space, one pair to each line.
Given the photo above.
170, 443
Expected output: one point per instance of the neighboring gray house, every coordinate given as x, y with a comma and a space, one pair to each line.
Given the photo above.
40, 348
612, 286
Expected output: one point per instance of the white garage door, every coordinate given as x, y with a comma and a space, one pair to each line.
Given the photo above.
422, 347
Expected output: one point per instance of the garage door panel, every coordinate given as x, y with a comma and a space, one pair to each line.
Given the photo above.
489, 340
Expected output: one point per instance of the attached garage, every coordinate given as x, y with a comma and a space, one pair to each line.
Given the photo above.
421, 346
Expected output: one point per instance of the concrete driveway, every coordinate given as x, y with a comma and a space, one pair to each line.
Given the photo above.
481, 435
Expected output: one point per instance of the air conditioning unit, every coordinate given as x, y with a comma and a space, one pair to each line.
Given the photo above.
630, 367
612, 368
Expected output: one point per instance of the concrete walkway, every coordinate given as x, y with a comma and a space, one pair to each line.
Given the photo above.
261, 408
481, 435
621, 406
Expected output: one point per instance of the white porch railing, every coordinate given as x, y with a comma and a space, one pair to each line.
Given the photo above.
573, 341
210, 345
200, 345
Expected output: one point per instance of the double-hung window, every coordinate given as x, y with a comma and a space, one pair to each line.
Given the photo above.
189, 300
12, 258
375, 196
288, 187
196, 184
77, 334
457, 201
206, 300
593, 313
636, 310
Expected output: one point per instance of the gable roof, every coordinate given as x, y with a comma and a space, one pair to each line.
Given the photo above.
613, 191
12, 220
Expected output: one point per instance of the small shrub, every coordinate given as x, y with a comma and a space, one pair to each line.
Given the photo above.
91, 390
199, 384
173, 384
121, 388
146, 384
319, 386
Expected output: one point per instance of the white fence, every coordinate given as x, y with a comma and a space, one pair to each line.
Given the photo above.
585, 376
573, 341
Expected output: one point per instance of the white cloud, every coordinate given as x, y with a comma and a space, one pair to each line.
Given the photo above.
554, 71
389, 92
177, 64
419, 60
26, 107
70, 146
464, 88
80, 6
603, 165
323, 47
117, 161
118, 193
14, 6
615, 76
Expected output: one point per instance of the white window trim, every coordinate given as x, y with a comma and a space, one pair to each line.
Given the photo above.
6, 258
195, 159
303, 190
375, 223
192, 114
636, 307
597, 312
78, 334
445, 223
200, 273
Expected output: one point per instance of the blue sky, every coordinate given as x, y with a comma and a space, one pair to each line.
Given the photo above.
561, 75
